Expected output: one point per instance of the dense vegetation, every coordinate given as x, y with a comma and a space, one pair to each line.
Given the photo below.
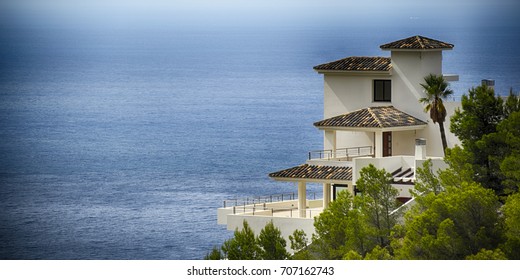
469, 211
269, 245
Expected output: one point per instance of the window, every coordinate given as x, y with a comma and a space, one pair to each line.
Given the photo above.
337, 188
382, 90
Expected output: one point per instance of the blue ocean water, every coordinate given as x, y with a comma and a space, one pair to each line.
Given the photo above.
121, 144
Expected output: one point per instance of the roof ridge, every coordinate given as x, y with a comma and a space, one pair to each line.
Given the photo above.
369, 109
420, 40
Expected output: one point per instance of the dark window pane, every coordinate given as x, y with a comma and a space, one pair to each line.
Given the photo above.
378, 91
387, 91
382, 90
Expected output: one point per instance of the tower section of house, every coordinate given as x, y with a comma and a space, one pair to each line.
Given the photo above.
356, 83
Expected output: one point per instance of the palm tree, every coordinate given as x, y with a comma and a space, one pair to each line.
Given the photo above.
436, 89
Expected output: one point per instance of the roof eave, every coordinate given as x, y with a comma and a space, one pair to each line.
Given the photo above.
309, 180
354, 72
374, 129
349, 128
417, 50
406, 128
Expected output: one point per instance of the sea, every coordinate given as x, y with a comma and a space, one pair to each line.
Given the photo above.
121, 143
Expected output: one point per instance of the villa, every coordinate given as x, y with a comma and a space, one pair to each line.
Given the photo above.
372, 115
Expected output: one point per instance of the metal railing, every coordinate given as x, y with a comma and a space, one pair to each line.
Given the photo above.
264, 199
346, 153
263, 210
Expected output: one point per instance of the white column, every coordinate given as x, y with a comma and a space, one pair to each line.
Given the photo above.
378, 135
330, 140
351, 189
326, 195
302, 199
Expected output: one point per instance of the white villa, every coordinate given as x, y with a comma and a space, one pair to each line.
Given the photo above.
372, 115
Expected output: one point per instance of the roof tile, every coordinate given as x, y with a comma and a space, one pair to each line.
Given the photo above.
306, 171
357, 63
417, 43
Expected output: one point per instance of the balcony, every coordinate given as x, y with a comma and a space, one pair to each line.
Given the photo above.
343, 154
286, 208
281, 209
277, 205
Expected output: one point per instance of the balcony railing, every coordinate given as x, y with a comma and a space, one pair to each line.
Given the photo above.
263, 210
342, 154
265, 199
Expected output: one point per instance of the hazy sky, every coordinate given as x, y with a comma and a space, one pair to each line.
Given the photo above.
196, 13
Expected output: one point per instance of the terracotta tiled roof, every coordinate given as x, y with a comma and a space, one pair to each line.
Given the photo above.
357, 63
376, 117
306, 171
417, 43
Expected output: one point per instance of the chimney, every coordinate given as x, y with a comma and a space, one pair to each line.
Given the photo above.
489, 83
420, 149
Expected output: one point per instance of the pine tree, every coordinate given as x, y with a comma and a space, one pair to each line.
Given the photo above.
272, 244
243, 245
215, 254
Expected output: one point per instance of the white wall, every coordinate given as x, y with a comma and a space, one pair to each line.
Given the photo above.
403, 142
410, 68
350, 139
450, 109
346, 93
